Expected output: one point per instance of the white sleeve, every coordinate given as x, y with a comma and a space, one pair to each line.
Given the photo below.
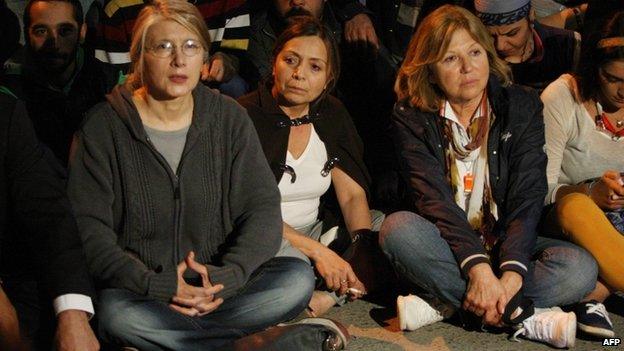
73, 302
559, 109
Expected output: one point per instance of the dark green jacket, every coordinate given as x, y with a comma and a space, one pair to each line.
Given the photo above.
138, 218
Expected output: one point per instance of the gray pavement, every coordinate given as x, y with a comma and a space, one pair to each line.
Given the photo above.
375, 327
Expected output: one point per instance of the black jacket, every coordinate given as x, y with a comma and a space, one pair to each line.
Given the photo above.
391, 24
334, 127
56, 115
9, 32
517, 165
38, 233
561, 54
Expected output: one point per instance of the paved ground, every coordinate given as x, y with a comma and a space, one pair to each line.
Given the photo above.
375, 327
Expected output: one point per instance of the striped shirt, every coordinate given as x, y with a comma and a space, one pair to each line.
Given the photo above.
227, 21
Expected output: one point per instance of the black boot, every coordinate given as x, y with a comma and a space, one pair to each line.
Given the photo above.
313, 334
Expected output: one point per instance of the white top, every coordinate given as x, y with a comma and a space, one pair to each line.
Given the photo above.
170, 144
576, 150
470, 165
301, 199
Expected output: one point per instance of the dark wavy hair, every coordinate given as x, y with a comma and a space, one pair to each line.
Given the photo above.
308, 26
593, 57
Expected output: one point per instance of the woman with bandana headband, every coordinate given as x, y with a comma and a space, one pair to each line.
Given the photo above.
537, 53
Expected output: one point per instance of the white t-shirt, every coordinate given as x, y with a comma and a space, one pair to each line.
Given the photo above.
576, 150
301, 199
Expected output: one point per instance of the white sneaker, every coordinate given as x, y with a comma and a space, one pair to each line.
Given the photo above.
551, 326
415, 312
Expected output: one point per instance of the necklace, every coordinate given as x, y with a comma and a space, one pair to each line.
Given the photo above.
527, 51
603, 124
297, 121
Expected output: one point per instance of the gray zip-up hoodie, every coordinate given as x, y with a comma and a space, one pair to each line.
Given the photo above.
138, 218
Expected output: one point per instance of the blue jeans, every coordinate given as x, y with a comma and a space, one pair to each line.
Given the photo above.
315, 231
560, 273
276, 292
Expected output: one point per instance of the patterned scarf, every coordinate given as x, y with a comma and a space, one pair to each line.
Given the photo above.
481, 211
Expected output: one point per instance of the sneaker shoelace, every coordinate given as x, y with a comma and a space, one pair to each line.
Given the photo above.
537, 328
599, 309
426, 316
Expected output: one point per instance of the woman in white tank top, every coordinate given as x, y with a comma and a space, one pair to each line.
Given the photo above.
312, 145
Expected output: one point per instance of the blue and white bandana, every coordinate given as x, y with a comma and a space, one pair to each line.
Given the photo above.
501, 12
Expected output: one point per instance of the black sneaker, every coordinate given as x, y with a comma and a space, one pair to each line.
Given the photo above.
592, 318
338, 338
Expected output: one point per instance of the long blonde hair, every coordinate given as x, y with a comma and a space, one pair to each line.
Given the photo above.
179, 11
428, 46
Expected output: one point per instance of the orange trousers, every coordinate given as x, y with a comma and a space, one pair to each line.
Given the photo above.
586, 225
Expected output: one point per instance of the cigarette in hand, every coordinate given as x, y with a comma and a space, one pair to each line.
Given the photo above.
355, 291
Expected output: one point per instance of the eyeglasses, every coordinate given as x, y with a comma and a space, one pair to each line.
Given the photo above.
166, 48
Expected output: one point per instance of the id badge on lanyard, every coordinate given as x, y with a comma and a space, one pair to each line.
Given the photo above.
468, 182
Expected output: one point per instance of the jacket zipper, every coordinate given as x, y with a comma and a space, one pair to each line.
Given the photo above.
176, 218
175, 182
